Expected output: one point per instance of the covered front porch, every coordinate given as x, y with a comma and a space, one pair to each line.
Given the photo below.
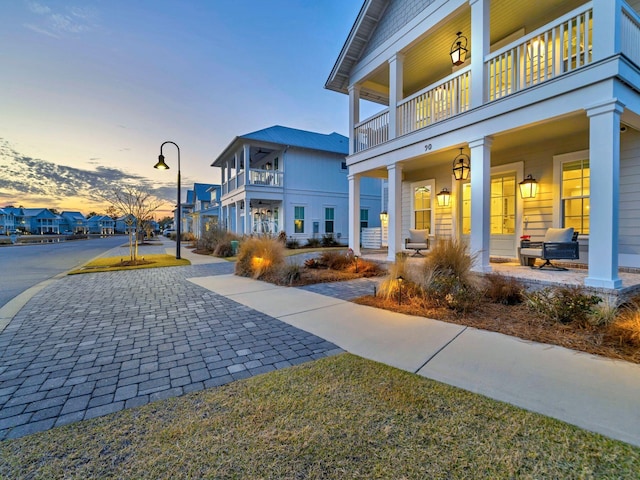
533, 278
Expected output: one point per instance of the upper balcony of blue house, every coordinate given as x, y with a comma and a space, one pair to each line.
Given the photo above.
511, 47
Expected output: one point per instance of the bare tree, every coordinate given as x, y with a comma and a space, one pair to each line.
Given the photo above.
137, 204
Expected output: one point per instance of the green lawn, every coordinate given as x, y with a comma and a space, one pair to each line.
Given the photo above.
338, 418
113, 264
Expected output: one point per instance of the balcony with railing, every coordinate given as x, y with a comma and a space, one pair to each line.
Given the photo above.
257, 177
558, 48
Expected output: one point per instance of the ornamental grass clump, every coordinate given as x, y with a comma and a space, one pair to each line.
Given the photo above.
562, 304
446, 276
625, 329
503, 290
260, 257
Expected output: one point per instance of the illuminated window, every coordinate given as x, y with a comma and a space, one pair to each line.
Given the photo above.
503, 205
298, 220
466, 208
422, 202
575, 195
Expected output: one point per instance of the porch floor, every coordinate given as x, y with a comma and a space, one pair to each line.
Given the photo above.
533, 277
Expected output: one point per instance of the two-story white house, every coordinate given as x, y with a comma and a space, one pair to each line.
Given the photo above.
503, 94
284, 179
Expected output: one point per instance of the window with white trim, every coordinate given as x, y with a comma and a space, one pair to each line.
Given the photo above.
329, 218
575, 193
298, 220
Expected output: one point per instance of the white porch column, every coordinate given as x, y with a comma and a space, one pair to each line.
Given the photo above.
480, 202
606, 28
604, 163
247, 165
354, 213
396, 92
354, 115
248, 230
480, 41
394, 237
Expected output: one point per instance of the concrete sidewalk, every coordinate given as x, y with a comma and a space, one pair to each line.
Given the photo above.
591, 392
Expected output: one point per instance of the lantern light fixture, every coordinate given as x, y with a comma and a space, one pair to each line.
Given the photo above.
528, 187
459, 49
444, 197
461, 166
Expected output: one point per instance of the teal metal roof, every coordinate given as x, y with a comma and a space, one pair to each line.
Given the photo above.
333, 142
203, 191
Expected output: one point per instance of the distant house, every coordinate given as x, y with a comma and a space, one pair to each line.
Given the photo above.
38, 221
74, 222
125, 224
284, 179
186, 209
7, 221
101, 225
205, 210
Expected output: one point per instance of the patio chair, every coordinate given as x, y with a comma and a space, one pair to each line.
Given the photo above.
418, 240
558, 244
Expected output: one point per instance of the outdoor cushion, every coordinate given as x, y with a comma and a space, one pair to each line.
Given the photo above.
418, 236
560, 235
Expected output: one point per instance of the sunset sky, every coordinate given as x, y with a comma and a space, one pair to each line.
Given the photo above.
89, 89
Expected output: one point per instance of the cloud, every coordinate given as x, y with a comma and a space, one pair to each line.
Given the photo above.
23, 177
72, 20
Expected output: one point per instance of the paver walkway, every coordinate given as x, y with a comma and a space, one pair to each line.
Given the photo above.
88, 345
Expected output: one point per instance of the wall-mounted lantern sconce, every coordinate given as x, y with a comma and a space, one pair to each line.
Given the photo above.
536, 50
444, 197
528, 187
384, 217
459, 49
461, 166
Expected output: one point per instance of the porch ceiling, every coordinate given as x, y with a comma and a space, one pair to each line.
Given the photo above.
427, 60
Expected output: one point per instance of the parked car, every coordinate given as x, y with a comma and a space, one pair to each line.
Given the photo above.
168, 231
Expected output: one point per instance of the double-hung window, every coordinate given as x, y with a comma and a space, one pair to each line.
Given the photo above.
575, 193
298, 220
329, 218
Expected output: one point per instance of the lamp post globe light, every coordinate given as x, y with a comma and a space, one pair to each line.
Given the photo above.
163, 166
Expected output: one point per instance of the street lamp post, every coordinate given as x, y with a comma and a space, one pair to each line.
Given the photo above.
163, 166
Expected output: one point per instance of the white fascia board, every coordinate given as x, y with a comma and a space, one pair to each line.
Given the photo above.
430, 18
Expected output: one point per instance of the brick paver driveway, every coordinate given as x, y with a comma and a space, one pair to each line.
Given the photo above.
93, 344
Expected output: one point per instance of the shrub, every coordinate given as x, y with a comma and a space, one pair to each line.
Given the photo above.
336, 260
289, 274
562, 304
223, 249
446, 276
282, 237
329, 241
211, 237
626, 329
504, 290
313, 242
311, 263
292, 243
604, 313
259, 257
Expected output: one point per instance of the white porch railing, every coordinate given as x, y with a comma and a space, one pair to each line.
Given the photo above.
372, 131
271, 178
630, 35
557, 48
442, 100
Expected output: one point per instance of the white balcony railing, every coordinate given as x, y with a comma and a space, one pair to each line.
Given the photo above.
372, 131
271, 178
630, 35
445, 99
556, 49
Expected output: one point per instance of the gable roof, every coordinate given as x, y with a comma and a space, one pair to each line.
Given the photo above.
333, 142
292, 137
355, 46
203, 191
38, 212
189, 196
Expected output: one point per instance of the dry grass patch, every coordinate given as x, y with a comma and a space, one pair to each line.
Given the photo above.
341, 417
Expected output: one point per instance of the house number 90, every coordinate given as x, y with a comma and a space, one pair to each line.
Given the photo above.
427, 147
